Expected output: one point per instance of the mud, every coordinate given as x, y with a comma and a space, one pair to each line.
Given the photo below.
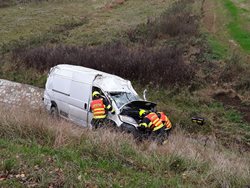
234, 102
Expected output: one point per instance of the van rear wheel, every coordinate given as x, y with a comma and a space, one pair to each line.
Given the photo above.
54, 112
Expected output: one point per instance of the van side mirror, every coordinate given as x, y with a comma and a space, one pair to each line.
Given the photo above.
144, 94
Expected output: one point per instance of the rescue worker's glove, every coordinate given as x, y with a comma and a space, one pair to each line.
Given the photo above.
113, 112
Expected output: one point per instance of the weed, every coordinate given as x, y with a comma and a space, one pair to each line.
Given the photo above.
244, 83
218, 50
177, 21
232, 69
8, 165
233, 116
178, 165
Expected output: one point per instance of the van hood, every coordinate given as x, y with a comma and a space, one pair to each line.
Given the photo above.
146, 105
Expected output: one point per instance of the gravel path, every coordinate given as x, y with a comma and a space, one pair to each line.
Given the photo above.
13, 93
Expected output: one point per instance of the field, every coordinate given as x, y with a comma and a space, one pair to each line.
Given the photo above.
73, 22
192, 56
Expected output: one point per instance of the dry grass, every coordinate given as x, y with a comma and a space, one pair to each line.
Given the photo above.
38, 126
200, 160
207, 149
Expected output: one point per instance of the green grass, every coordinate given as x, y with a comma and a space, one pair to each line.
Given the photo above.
233, 116
82, 165
219, 50
236, 25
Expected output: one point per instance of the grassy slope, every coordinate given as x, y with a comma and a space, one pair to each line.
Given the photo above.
87, 27
228, 31
36, 150
92, 22
238, 24
231, 27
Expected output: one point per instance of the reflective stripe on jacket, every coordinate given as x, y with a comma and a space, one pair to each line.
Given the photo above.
165, 120
98, 109
155, 122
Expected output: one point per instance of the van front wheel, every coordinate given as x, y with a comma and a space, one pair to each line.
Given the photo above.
54, 112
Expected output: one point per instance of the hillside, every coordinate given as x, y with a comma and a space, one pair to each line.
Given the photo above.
192, 56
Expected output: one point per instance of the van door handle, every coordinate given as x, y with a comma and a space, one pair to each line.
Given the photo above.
85, 106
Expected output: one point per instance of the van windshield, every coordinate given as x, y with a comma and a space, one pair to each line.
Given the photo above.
122, 98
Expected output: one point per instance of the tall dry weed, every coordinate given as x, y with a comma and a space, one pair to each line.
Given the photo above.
227, 163
223, 166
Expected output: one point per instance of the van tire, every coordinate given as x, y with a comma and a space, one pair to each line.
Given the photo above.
54, 112
126, 128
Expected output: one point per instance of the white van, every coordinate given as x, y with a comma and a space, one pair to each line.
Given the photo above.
68, 93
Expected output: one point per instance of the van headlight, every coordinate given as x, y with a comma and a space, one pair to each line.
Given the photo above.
127, 119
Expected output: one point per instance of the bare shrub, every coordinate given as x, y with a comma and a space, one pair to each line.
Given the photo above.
177, 21
233, 68
163, 66
5, 3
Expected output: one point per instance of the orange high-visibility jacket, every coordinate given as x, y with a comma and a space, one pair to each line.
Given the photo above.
98, 109
165, 120
155, 122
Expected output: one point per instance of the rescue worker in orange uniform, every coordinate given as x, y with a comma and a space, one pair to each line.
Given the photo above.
165, 120
100, 107
151, 123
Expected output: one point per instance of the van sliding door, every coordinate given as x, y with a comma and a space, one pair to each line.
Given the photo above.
79, 102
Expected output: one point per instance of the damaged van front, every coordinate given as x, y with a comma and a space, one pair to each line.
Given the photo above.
125, 101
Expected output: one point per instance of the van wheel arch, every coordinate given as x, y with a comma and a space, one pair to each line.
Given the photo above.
54, 110
53, 104
127, 128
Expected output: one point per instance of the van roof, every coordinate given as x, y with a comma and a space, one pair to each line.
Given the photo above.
108, 82
76, 68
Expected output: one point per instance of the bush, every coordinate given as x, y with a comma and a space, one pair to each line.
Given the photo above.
163, 66
232, 69
177, 21
7, 3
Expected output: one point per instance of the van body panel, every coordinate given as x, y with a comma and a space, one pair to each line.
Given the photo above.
79, 102
70, 87
61, 89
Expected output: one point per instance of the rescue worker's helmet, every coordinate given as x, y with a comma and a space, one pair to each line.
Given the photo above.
142, 112
96, 94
